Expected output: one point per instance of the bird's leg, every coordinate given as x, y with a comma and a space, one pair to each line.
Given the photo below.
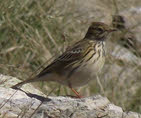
76, 93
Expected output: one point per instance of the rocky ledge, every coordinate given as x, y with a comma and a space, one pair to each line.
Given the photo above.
17, 104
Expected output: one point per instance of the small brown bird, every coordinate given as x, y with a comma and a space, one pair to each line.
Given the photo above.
78, 64
126, 38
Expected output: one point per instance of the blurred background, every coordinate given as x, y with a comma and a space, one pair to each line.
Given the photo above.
34, 32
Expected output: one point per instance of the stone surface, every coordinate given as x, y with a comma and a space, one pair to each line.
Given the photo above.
15, 104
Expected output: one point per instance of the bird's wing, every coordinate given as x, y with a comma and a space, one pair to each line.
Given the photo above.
71, 55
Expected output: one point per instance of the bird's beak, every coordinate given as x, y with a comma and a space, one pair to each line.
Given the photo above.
112, 30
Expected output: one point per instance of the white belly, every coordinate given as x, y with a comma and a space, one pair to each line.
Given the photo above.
83, 75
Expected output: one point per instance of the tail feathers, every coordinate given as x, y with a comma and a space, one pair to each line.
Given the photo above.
17, 86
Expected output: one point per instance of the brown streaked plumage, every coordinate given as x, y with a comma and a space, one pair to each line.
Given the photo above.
78, 64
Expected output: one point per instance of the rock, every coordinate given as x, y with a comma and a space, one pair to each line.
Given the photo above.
8, 81
15, 104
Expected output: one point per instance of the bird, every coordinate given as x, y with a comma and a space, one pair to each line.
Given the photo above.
125, 37
80, 62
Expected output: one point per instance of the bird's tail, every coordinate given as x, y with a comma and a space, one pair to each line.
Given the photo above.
17, 86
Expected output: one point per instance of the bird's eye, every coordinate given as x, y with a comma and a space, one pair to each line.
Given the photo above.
99, 29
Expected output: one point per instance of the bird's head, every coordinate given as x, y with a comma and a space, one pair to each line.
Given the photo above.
98, 31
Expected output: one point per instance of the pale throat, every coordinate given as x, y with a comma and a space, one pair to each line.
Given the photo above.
100, 48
